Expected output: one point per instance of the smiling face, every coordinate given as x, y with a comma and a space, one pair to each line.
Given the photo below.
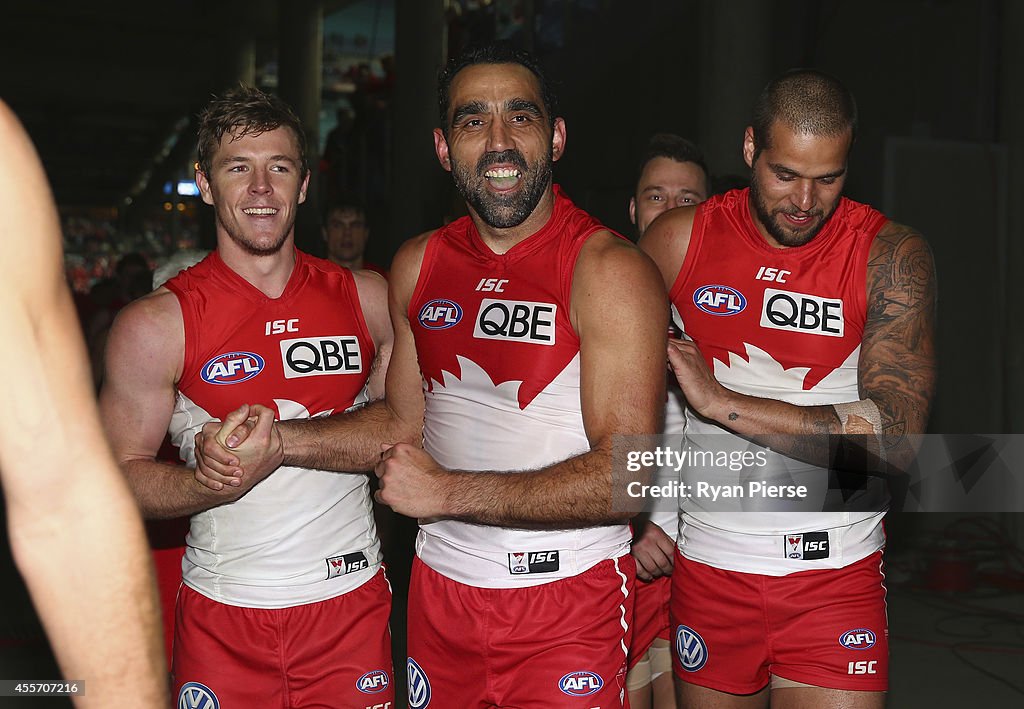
796, 182
500, 145
255, 186
665, 184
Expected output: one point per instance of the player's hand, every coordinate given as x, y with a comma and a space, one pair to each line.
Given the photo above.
411, 482
239, 452
654, 552
699, 385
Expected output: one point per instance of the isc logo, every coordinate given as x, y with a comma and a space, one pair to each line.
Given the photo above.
440, 314
863, 667
373, 682
319, 356
719, 300
772, 274
276, 327
232, 368
346, 564
580, 683
803, 313
808, 545
857, 639
496, 285
532, 562
516, 321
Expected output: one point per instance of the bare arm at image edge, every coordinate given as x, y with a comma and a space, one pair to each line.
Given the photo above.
75, 531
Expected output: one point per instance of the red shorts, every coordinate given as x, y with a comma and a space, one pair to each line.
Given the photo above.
650, 616
827, 628
329, 654
540, 647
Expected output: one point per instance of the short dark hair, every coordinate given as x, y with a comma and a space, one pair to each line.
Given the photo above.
249, 111
500, 52
342, 204
806, 100
670, 145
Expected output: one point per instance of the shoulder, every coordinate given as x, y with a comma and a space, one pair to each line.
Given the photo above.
150, 318
373, 297
895, 239
667, 240
612, 267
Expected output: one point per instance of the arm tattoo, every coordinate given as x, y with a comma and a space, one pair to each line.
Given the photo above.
897, 365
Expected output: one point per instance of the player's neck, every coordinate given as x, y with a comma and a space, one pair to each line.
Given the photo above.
501, 240
355, 264
269, 274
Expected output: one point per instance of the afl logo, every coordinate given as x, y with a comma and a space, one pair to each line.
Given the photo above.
373, 682
857, 639
580, 683
197, 696
690, 648
440, 314
419, 686
232, 368
719, 300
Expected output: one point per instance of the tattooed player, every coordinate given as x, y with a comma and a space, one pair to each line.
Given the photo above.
808, 319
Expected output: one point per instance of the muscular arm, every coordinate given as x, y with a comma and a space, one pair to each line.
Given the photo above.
619, 311
896, 371
74, 529
145, 351
373, 300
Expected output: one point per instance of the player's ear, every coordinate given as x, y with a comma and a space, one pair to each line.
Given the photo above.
557, 139
749, 146
441, 148
203, 183
304, 187
632, 211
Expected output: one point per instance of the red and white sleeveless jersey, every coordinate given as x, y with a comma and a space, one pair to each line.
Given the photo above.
782, 324
300, 535
500, 362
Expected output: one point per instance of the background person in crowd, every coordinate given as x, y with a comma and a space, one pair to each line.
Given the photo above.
284, 599
522, 321
74, 528
672, 173
346, 232
809, 323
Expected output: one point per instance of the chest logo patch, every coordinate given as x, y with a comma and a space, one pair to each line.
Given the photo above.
321, 356
719, 300
440, 314
516, 321
232, 368
800, 312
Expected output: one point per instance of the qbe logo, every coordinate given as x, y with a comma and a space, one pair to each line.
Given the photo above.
232, 368
516, 321
419, 685
807, 546
801, 312
321, 356
346, 564
580, 683
440, 314
373, 682
857, 639
197, 696
719, 300
690, 648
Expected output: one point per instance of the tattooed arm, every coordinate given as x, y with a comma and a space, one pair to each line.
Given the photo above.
896, 370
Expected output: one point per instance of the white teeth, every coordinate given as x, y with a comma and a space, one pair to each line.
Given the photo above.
502, 172
260, 211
